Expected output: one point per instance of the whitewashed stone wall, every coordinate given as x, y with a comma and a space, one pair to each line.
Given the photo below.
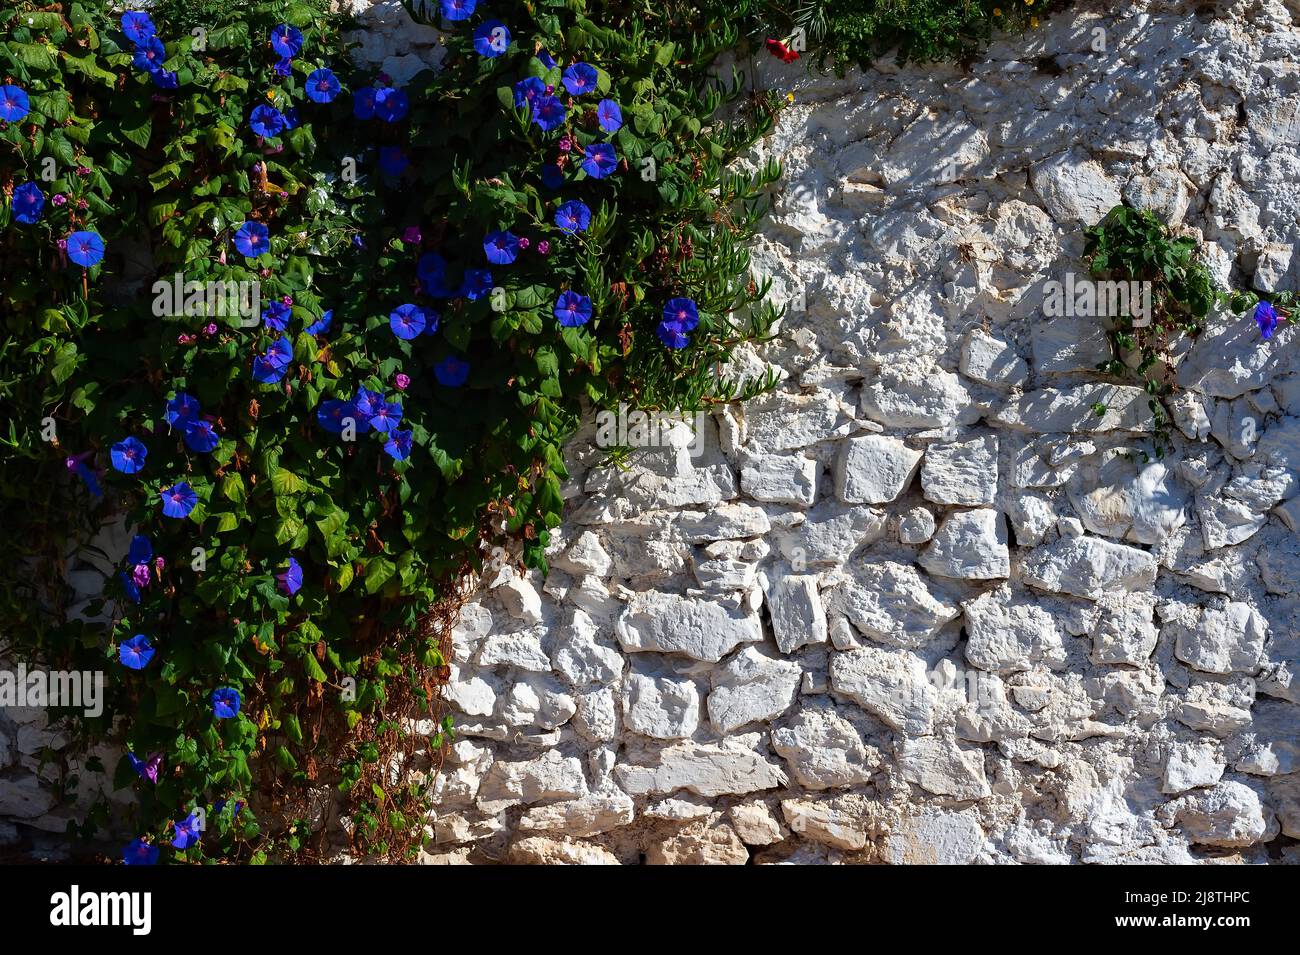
915, 606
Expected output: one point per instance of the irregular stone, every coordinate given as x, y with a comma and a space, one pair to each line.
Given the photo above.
784, 422
724, 522
1073, 409
1229, 358
1230, 640
522, 650
751, 686
891, 684
584, 556
539, 850
824, 749
961, 472
1190, 766
699, 844
874, 469
1230, 815
824, 822
520, 599
587, 815
935, 838
969, 544
830, 535
659, 703
550, 776
1225, 522
781, 479
471, 691
942, 767
1074, 188
915, 526
992, 361
1031, 514
731, 767
755, 823
1119, 498
670, 623
1064, 344
915, 394
794, 605
581, 658
891, 603
1088, 567
1007, 634
1124, 632
1221, 709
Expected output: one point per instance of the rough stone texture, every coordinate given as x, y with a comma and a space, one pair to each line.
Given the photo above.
785, 647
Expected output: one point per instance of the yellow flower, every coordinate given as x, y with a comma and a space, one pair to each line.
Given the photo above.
789, 97
997, 11
1029, 3
1033, 22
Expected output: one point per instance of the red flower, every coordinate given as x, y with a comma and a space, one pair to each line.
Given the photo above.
781, 51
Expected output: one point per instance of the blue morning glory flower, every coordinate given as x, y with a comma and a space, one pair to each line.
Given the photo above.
286, 40
140, 552
28, 201
363, 103
529, 91
572, 309
136, 653
187, 832
398, 445
392, 160
14, 103
491, 38
130, 586
683, 312
1266, 319
330, 415
149, 55
366, 405
552, 176
182, 408
291, 120
179, 500
458, 9
200, 436
164, 79
548, 112
432, 270
475, 284
545, 59
290, 580
283, 67
276, 316
146, 768
139, 852
270, 368
501, 248
387, 417
252, 239
138, 27
407, 321
451, 372
672, 335
322, 324
225, 702
431, 319
609, 116
322, 86
580, 78
391, 105
128, 456
266, 121
600, 160
573, 216
86, 249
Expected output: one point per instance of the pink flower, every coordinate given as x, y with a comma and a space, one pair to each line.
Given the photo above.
412, 235
288, 300
83, 170
185, 339
402, 381
63, 245
82, 204
59, 199
549, 89
565, 144
140, 574
210, 328
543, 248
159, 563
524, 242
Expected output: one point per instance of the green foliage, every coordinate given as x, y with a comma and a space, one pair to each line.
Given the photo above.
1134, 245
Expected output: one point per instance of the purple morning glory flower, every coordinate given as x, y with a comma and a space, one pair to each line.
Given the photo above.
27, 203
451, 372
321, 325
406, 321
182, 408
572, 309
1266, 318
609, 116
179, 500
366, 405
128, 456
552, 176
475, 284
398, 445
290, 581
139, 852
146, 768
580, 78
136, 653
14, 103
491, 38
164, 79
501, 248
387, 417
322, 86
528, 91
149, 54
200, 436
363, 103
548, 112
680, 316
131, 588
187, 832
458, 9
283, 67
391, 105
140, 552
138, 27
252, 239
266, 121
331, 415
573, 216
270, 368
286, 40
225, 702
393, 161
600, 160
276, 316
672, 335
545, 59
77, 463
86, 249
